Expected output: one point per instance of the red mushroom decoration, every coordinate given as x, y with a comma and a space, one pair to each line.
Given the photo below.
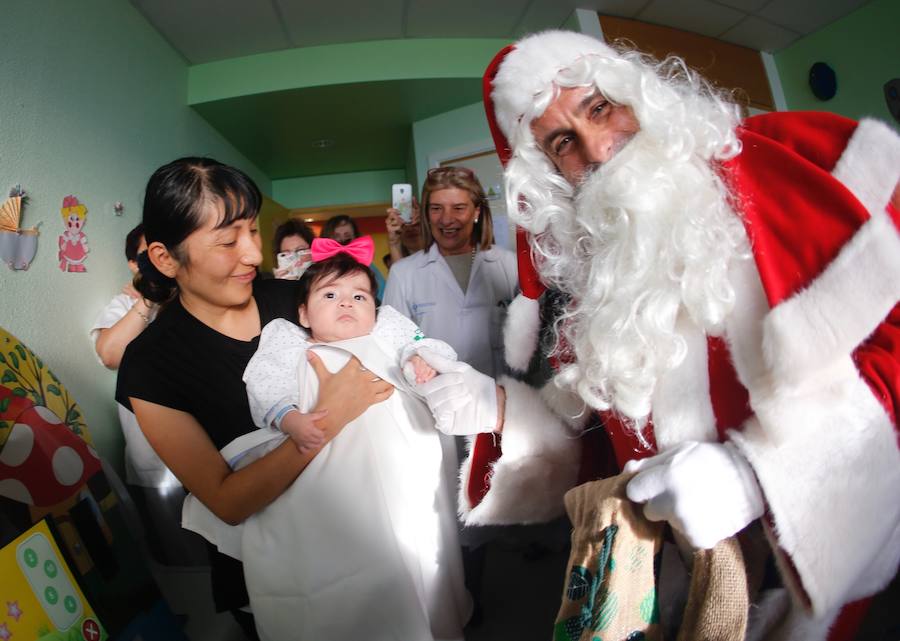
42, 462
44, 459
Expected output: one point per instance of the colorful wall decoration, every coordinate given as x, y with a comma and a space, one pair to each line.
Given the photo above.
69, 556
73, 245
17, 245
39, 597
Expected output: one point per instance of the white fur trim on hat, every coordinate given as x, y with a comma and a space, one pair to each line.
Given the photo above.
520, 335
530, 68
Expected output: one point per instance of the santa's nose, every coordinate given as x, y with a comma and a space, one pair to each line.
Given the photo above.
599, 149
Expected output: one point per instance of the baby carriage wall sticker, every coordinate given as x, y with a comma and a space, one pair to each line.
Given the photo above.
17, 246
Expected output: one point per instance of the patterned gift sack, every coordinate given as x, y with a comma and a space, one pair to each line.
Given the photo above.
611, 591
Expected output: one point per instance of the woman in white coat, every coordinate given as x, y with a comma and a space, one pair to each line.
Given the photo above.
458, 287
457, 290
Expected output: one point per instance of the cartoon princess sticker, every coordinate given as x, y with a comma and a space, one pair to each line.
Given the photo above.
73, 245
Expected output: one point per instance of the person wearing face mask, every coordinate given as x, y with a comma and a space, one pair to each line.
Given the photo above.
457, 289
291, 236
342, 229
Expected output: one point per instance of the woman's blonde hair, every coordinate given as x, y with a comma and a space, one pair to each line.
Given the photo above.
439, 178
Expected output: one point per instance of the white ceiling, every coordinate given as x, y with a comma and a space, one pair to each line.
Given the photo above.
207, 30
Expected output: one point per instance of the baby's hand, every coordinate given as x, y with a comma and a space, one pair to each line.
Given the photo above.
302, 429
424, 371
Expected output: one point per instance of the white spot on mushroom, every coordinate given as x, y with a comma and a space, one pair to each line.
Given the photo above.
18, 446
16, 490
67, 466
47, 414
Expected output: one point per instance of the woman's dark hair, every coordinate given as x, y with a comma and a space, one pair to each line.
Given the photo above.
336, 266
336, 221
133, 241
292, 227
174, 204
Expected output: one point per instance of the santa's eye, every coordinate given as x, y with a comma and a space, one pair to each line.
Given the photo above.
563, 145
599, 108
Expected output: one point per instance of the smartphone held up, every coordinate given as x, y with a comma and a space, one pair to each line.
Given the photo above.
291, 265
401, 200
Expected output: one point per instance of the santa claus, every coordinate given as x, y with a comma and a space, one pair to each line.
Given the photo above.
732, 312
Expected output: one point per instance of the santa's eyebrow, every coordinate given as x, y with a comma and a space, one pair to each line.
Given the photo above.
588, 99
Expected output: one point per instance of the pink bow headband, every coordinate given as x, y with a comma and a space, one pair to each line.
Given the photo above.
362, 249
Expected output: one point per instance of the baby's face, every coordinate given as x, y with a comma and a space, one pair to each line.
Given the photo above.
339, 308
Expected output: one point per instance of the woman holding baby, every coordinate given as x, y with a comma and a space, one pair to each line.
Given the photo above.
183, 375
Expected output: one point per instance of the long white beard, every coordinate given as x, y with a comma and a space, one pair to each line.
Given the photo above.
652, 238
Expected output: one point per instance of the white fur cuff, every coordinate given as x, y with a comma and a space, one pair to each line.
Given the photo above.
841, 307
520, 335
831, 483
539, 464
845, 304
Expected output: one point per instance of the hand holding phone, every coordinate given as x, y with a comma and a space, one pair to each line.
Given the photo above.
291, 265
401, 200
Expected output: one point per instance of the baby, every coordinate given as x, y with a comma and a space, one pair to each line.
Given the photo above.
336, 303
366, 538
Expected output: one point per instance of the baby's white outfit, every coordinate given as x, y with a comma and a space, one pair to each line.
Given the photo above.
364, 543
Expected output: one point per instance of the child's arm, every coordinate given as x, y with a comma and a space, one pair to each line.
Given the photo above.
422, 370
271, 375
415, 370
302, 429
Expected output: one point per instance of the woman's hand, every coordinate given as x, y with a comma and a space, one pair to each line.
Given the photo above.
414, 222
129, 290
345, 394
394, 225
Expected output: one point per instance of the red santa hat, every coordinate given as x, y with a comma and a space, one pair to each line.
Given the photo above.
522, 73
519, 75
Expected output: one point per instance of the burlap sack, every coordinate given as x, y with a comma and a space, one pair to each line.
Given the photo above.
718, 602
610, 593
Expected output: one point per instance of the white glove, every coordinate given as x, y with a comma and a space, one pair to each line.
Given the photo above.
462, 399
412, 349
707, 491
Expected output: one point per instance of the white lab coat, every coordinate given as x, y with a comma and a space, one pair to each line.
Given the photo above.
423, 288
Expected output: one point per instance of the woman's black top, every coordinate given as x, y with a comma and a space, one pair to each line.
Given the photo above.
181, 363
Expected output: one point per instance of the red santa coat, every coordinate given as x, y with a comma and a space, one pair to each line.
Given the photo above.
804, 380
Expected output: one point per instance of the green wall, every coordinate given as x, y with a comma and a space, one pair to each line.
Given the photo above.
93, 101
863, 49
337, 189
458, 130
346, 63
